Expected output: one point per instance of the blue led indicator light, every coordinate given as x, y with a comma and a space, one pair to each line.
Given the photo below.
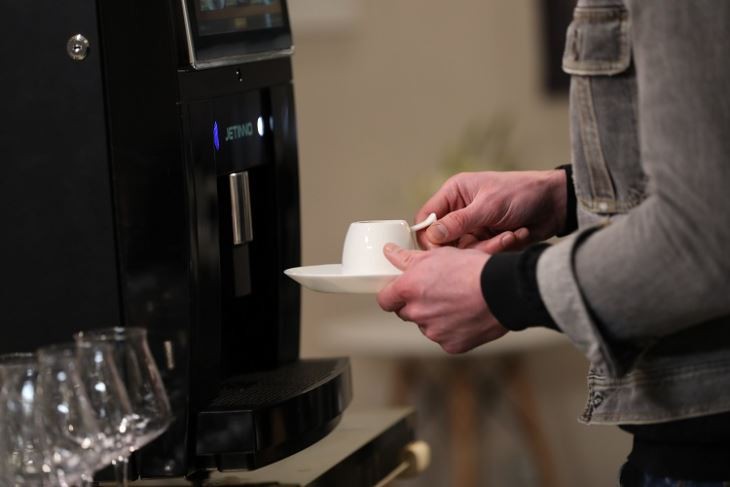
216, 139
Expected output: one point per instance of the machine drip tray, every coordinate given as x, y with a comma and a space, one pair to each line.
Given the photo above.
262, 417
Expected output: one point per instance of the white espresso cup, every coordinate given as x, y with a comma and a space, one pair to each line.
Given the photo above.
362, 253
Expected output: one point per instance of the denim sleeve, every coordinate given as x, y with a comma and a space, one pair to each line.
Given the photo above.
665, 265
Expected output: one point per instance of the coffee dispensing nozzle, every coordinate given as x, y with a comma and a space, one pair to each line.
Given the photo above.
242, 231
240, 208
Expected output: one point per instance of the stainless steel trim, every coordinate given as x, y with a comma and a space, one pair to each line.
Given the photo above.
248, 215
169, 355
243, 58
235, 212
188, 33
241, 217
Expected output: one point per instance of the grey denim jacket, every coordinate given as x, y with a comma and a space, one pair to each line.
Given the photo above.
643, 287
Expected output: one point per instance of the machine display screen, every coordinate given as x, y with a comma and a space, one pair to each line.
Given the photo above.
232, 16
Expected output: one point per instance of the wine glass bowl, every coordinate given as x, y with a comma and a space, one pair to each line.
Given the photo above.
108, 398
150, 407
70, 433
21, 454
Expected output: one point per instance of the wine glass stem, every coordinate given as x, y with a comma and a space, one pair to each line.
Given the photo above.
120, 470
87, 480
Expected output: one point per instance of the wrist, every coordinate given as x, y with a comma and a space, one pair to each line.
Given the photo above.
569, 211
558, 191
509, 286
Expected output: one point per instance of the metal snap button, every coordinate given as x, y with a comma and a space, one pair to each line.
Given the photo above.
77, 47
597, 399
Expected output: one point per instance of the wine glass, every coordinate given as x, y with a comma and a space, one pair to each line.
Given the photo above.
21, 455
70, 433
109, 402
151, 413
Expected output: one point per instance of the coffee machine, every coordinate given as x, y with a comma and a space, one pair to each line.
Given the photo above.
150, 178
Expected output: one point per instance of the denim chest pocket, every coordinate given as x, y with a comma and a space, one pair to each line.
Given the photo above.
605, 147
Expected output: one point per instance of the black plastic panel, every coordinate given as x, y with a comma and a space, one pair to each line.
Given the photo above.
256, 418
57, 251
232, 80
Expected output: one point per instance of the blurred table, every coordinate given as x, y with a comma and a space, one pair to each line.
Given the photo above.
378, 334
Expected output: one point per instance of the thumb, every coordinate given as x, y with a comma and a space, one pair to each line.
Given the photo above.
451, 227
400, 257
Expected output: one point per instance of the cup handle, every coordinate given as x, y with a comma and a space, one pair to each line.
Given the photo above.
430, 219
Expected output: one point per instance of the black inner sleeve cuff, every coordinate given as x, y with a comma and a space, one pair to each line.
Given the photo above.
509, 286
571, 216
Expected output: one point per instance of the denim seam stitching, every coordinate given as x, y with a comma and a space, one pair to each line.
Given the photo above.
600, 178
654, 375
602, 66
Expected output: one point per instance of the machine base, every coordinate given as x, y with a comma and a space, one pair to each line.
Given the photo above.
262, 417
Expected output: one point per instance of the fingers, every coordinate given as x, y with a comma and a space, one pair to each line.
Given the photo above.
451, 227
389, 298
504, 241
522, 237
400, 257
467, 241
443, 201
424, 242
440, 203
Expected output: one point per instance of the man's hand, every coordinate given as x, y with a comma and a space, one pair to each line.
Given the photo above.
440, 291
495, 211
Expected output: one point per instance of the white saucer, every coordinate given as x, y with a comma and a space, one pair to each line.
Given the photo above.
330, 279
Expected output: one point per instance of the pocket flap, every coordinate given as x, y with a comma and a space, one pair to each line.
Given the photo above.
597, 41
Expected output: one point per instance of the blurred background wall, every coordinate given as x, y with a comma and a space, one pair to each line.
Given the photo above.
388, 95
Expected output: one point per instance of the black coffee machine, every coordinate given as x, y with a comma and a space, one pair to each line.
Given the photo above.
149, 178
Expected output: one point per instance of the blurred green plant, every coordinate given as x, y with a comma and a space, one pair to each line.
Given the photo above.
485, 145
